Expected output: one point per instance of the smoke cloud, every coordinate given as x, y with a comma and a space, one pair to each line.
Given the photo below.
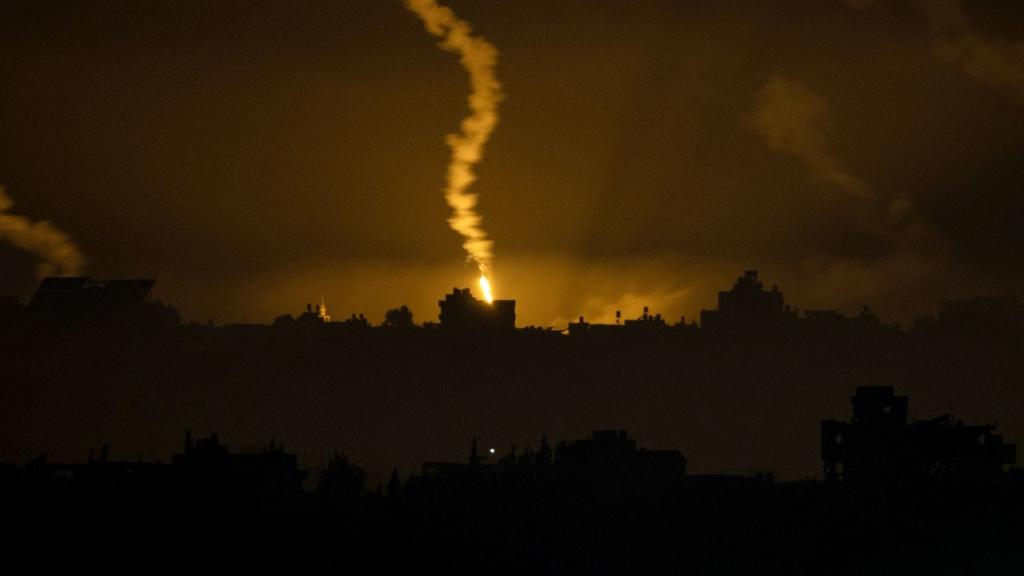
993, 61
58, 253
990, 60
795, 120
478, 57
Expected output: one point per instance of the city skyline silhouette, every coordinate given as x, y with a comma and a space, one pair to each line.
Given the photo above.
532, 287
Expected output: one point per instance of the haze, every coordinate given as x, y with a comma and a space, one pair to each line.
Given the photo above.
255, 156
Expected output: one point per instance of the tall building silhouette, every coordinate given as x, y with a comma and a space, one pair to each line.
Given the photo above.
880, 447
461, 311
747, 307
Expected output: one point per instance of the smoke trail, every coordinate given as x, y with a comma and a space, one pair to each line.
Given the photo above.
479, 58
57, 252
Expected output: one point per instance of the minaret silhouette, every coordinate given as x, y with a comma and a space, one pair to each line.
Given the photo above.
321, 310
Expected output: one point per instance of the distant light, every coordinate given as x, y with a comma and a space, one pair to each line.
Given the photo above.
492, 450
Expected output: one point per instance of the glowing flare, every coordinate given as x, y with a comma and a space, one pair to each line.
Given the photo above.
485, 285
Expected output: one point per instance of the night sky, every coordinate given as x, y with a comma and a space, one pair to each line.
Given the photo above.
255, 156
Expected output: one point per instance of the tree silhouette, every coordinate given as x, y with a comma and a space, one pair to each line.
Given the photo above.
398, 317
543, 458
394, 486
342, 481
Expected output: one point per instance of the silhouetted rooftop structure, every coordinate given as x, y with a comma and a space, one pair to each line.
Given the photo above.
646, 320
315, 314
461, 311
747, 307
84, 299
608, 459
989, 308
646, 323
99, 474
583, 327
879, 447
207, 462
611, 456
443, 470
983, 316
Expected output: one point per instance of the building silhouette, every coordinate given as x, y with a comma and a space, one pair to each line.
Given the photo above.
611, 457
607, 459
460, 311
70, 301
747, 307
82, 295
646, 322
985, 320
982, 311
315, 314
880, 447
208, 466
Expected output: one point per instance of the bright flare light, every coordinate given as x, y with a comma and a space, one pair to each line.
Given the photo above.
485, 285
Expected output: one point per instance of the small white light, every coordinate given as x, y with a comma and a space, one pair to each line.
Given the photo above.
492, 450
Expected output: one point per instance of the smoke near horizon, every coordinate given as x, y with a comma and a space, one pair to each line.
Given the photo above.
794, 119
254, 156
478, 57
57, 253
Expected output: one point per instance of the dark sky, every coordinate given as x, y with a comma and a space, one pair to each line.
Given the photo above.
253, 156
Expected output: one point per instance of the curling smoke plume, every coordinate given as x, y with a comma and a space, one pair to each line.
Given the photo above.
794, 119
479, 58
58, 254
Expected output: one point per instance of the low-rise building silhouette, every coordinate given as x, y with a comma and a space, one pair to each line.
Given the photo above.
86, 301
611, 457
608, 459
207, 464
75, 296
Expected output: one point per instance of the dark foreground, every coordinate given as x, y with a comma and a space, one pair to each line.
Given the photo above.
530, 520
